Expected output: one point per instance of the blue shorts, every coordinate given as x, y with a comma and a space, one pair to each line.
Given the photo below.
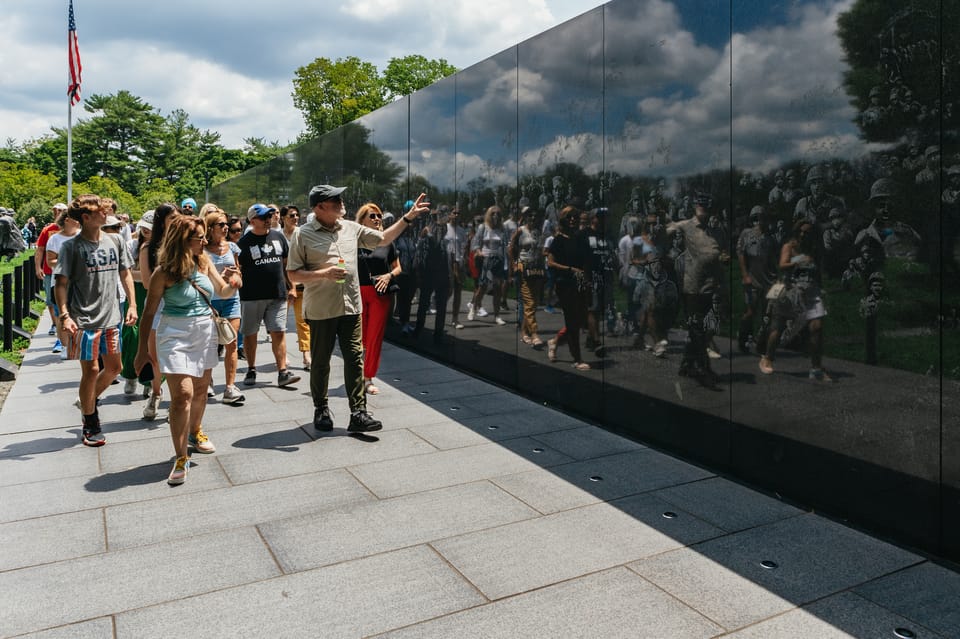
229, 308
48, 291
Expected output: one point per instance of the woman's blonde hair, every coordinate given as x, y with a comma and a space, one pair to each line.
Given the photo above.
207, 208
488, 216
366, 210
175, 258
211, 217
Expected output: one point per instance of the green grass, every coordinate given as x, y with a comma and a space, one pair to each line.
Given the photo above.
20, 344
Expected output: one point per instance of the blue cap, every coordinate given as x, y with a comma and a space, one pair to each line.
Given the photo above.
189, 201
259, 210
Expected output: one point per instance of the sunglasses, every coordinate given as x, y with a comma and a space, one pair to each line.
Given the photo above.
221, 224
236, 229
375, 216
198, 238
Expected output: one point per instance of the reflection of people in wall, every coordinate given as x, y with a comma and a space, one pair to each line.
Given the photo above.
569, 262
526, 252
489, 247
702, 277
455, 244
799, 306
757, 254
432, 272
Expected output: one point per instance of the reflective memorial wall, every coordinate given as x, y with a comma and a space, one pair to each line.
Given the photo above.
770, 237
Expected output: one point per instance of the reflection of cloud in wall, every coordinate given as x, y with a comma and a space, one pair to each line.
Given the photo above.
788, 103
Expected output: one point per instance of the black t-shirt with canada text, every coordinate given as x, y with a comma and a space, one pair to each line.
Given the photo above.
261, 262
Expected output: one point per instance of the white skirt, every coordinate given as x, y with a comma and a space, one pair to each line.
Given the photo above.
186, 345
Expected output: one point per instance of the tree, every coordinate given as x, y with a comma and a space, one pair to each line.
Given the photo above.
902, 76
330, 94
411, 73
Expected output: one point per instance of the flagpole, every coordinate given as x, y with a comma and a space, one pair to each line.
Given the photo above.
69, 149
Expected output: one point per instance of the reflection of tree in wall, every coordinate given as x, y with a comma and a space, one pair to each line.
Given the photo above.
369, 173
893, 50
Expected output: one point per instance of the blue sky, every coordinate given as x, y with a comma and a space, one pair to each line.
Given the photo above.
230, 63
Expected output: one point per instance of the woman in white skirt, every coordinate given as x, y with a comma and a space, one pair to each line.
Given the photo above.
186, 333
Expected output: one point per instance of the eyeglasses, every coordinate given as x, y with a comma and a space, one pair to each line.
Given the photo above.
293, 215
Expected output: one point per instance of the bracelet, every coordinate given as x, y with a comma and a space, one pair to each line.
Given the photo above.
404, 218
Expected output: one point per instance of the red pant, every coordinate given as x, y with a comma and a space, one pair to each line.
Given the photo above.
373, 322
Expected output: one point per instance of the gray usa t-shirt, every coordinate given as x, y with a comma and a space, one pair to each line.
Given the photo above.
93, 270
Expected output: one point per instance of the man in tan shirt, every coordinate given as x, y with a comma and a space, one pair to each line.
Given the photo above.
323, 257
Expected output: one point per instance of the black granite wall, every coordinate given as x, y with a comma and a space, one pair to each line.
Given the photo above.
843, 114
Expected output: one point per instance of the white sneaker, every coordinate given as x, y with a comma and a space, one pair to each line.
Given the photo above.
233, 395
130, 386
150, 410
498, 321
455, 324
482, 312
470, 314
660, 349
712, 354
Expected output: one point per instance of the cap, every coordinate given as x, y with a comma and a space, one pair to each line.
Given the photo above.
146, 222
192, 203
112, 220
259, 210
324, 192
59, 206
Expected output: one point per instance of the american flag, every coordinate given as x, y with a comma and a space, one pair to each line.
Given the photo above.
73, 59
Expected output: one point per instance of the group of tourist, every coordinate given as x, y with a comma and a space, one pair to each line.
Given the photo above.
145, 309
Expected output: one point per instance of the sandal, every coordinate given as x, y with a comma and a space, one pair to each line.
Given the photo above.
526, 339
535, 341
370, 389
552, 349
582, 366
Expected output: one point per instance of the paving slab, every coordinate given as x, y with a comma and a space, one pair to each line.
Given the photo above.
71, 462
841, 616
518, 557
55, 496
587, 442
146, 522
927, 593
324, 538
727, 504
724, 579
352, 599
448, 434
406, 475
611, 604
332, 450
101, 628
528, 421
603, 478
55, 594
47, 539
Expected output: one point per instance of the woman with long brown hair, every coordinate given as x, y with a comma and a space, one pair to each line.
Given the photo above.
186, 335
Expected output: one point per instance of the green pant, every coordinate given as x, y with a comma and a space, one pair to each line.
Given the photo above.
323, 333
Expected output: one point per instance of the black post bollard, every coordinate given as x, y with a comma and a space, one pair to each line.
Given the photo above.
7, 312
18, 295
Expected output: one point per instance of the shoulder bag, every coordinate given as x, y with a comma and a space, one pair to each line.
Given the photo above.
226, 333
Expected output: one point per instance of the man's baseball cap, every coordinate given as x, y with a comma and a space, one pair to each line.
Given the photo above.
59, 206
259, 210
189, 202
112, 220
324, 192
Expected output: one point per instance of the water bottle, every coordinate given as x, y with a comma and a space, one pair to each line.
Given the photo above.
341, 264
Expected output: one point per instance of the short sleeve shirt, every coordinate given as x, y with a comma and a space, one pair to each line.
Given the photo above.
316, 247
48, 231
261, 264
93, 270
